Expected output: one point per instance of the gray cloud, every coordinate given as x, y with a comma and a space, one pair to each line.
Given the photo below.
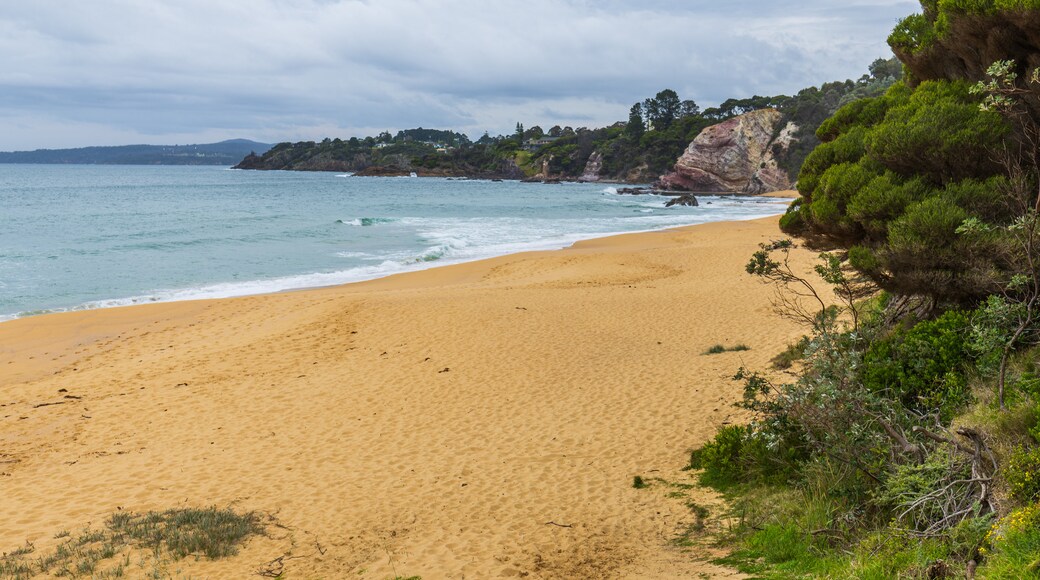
120, 71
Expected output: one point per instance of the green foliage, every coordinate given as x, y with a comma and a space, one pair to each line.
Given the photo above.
792, 221
166, 536
1022, 474
896, 177
744, 454
639, 483
719, 348
793, 352
838, 184
636, 127
780, 543
662, 110
932, 200
213, 532
721, 458
848, 148
433, 136
992, 326
939, 133
882, 200
893, 554
864, 112
913, 33
923, 367
1014, 546
811, 107
786, 533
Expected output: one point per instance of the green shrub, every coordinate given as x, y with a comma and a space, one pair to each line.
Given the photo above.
897, 175
883, 200
779, 543
1014, 546
864, 112
793, 222
923, 367
793, 352
913, 33
1022, 473
721, 348
741, 454
720, 458
893, 554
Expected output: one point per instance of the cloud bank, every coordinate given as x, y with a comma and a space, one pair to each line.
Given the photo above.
133, 71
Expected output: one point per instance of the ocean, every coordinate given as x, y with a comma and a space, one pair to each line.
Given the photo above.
88, 236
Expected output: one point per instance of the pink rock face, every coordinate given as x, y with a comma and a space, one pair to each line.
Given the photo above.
593, 167
735, 156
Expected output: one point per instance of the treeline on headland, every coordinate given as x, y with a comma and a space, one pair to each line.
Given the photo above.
638, 150
907, 443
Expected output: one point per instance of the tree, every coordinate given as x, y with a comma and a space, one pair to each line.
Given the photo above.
635, 127
662, 109
689, 108
556, 131
882, 68
1017, 311
520, 133
894, 178
535, 132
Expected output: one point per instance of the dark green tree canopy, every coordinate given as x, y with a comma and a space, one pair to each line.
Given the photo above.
896, 176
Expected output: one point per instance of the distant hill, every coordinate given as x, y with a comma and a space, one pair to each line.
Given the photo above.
224, 153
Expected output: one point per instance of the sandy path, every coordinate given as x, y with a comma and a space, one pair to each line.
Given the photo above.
429, 423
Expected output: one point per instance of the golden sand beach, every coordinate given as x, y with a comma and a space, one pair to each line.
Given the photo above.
479, 420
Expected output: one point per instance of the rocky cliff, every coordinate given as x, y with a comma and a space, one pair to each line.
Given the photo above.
736, 156
593, 167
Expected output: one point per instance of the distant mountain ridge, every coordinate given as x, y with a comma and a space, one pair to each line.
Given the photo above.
227, 152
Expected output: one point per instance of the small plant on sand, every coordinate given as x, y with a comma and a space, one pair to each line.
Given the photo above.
639, 483
166, 536
720, 348
793, 352
700, 514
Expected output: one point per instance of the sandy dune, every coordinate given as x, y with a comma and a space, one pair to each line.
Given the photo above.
446, 423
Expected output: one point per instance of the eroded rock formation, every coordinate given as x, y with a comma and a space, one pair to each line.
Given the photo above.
593, 167
735, 156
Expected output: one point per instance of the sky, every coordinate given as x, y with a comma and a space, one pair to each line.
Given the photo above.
117, 72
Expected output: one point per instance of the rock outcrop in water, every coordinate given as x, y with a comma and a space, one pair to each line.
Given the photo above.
735, 156
688, 200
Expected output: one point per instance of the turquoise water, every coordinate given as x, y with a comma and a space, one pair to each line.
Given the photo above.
83, 236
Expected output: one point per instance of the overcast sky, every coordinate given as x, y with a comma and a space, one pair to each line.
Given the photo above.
113, 72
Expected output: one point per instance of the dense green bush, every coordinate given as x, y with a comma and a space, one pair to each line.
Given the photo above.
896, 176
721, 457
741, 454
923, 367
1013, 550
883, 200
1022, 474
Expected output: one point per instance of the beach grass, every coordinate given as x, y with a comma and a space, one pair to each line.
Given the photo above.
162, 537
721, 348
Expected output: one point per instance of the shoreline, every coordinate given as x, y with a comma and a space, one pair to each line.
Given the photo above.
429, 423
216, 291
